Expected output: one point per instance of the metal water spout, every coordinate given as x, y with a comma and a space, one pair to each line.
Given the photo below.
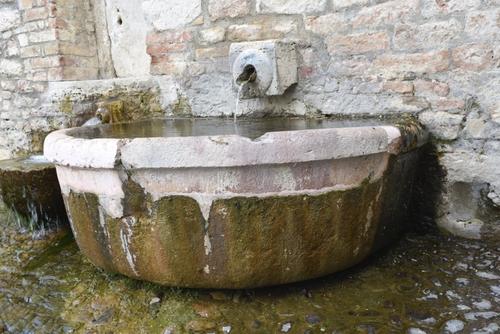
102, 116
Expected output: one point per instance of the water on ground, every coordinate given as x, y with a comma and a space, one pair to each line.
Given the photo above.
425, 283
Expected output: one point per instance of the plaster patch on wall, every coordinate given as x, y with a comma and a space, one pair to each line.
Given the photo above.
127, 29
171, 14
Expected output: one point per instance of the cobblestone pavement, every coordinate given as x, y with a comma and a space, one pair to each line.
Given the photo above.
423, 284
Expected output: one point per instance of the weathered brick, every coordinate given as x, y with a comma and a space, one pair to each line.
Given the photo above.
398, 64
351, 67
327, 24
8, 19
25, 4
80, 73
44, 62
211, 35
210, 53
34, 14
10, 67
438, 7
219, 9
164, 65
31, 51
473, 57
441, 124
171, 14
338, 4
397, 86
291, 7
431, 88
386, 13
483, 25
168, 41
357, 44
42, 36
448, 104
427, 35
261, 29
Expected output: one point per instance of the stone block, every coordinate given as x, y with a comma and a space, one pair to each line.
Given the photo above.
397, 86
390, 12
262, 29
442, 125
394, 65
9, 19
358, 43
442, 7
427, 35
211, 35
291, 7
219, 9
339, 4
159, 43
34, 14
473, 57
327, 24
171, 14
10, 67
483, 25
431, 88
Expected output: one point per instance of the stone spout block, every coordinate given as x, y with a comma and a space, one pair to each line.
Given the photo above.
263, 68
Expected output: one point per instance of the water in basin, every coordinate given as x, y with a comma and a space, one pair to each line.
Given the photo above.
183, 127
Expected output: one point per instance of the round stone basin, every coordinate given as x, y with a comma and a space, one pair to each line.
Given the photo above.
29, 187
213, 203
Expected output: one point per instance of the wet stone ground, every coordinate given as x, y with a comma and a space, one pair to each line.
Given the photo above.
423, 284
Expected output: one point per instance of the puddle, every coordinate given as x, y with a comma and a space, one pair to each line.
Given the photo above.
423, 284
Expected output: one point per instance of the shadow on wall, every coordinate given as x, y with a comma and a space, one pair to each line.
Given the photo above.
427, 191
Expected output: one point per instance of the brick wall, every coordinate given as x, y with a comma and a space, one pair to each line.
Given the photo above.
40, 41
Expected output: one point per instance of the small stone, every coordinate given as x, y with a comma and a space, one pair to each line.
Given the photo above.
169, 330
155, 300
285, 328
452, 295
485, 315
487, 275
206, 310
482, 305
495, 289
490, 329
226, 329
416, 331
454, 326
313, 319
200, 325
219, 295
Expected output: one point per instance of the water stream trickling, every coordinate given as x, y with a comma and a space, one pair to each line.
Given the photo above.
238, 100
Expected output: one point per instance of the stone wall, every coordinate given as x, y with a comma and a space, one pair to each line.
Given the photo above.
436, 58
40, 41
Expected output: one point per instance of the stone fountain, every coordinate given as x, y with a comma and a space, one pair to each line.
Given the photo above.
217, 203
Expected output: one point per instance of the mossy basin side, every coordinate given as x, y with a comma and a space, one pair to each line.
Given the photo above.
30, 188
223, 209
